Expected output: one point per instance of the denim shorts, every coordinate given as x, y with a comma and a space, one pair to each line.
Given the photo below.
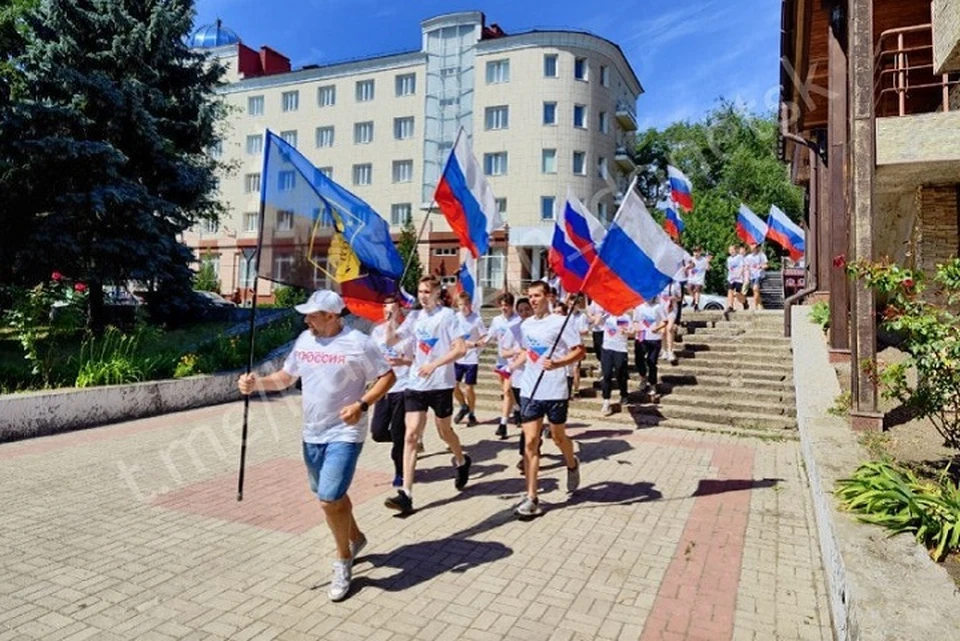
330, 468
554, 411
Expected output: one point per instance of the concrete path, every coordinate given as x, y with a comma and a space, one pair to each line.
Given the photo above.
132, 531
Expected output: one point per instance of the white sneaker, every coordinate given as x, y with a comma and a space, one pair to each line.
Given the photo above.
606, 410
673, 358
663, 355
340, 583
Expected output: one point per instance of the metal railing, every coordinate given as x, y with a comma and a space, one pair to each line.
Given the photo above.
905, 79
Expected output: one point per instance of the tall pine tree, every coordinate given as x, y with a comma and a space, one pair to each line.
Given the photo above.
116, 118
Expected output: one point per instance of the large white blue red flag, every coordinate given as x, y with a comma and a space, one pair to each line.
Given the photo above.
576, 236
636, 261
750, 229
672, 222
681, 189
785, 233
467, 280
466, 199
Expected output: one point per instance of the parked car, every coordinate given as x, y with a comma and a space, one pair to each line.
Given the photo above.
707, 301
214, 299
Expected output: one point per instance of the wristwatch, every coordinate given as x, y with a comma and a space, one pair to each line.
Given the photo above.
364, 406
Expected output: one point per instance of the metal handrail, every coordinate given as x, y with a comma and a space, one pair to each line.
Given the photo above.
893, 65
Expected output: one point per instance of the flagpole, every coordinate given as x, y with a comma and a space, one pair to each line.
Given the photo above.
253, 314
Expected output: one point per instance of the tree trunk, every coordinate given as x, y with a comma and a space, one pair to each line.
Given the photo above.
96, 317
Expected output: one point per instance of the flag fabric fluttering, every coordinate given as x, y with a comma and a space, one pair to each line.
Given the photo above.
681, 189
750, 229
467, 281
785, 233
576, 235
466, 199
636, 261
672, 223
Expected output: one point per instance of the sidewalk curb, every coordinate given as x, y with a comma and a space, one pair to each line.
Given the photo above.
879, 588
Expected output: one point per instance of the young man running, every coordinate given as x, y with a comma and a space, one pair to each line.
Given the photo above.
506, 323
613, 360
734, 280
474, 334
439, 343
650, 319
698, 276
539, 334
336, 365
755, 266
389, 413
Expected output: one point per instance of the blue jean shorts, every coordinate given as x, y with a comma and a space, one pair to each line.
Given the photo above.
330, 468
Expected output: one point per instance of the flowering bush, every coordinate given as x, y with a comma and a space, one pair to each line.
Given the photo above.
931, 334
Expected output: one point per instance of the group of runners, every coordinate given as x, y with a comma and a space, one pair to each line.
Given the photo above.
425, 359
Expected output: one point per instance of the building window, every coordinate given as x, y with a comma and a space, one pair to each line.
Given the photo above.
255, 105
550, 65
605, 75
602, 167
401, 214
449, 72
498, 71
324, 136
363, 133
216, 150
245, 271
212, 261
548, 161
255, 144
603, 213
495, 164
403, 128
251, 221
209, 227
289, 137
501, 205
546, 207
580, 163
448, 102
364, 90
327, 171
251, 184
448, 281
580, 116
284, 220
446, 251
283, 267
402, 171
286, 180
549, 113
603, 121
580, 69
363, 174
406, 84
320, 278
497, 117
327, 96
290, 100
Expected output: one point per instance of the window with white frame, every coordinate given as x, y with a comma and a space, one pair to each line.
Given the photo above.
321, 280
290, 100
327, 95
501, 205
401, 213
251, 221
498, 71
406, 84
550, 65
363, 132
497, 117
251, 184
403, 128
549, 113
364, 90
282, 267
211, 261
245, 272
449, 102
580, 116
546, 207
449, 72
209, 227
605, 75
402, 171
255, 144
286, 180
603, 212
495, 164
446, 251
580, 163
216, 150
580, 68
325, 136
255, 105
327, 171
548, 161
284, 220
363, 174
289, 137
602, 171
603, 122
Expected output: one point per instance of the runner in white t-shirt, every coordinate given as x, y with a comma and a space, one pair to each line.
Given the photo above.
500, 327
755, 266
699, 264
439, 342
735, 279
650, 322
474, 334
671, 298
336, 366
613, 360
543, 390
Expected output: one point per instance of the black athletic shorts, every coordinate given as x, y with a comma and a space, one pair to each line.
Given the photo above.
438, 400
554, 411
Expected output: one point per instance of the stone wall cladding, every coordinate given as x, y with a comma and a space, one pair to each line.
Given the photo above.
936, 234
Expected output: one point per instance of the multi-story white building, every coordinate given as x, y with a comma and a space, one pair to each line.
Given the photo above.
544, 110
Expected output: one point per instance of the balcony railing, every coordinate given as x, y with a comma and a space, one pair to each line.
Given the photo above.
905, 80
626, 116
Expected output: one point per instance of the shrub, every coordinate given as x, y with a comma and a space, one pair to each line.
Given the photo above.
820, 314
289, 296
186, 366
115, 359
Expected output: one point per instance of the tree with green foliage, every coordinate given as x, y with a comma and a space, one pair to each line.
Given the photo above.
205, 280
110, 138
731, 158
407, 246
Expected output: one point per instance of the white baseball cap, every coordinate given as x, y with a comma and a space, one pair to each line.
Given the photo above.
322, 300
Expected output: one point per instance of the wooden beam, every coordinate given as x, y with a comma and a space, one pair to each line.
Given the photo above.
836, 212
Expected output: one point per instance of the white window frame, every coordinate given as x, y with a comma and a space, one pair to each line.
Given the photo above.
402, 171
582, 155
553, 207
213, 260
251, 222
290, 101
290, 137
286, 180
362, 94
544, 114
498, 71
361, 171
246, 275
495, 164
327, 96
251, 183
544, 155
605, 75
583, 117
406, 84
283, 266
321, 137
400, 213
255, 105
501, 205
254, 144
585, 62
556, 65
603, 122
285, 220
446, 251
363, 132
403, 128
327, 171
496, 117
603, 169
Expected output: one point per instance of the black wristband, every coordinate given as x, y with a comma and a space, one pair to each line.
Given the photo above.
364, 406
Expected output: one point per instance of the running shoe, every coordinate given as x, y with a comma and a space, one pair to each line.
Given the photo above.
528, 508
340, 583
402, 503
573, 477
462, 414
463, 473
502, 431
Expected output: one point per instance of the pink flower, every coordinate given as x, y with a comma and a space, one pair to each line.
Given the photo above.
840, 261
908, 283
57, 276
79, 288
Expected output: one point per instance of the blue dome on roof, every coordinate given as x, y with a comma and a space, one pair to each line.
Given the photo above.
213, 35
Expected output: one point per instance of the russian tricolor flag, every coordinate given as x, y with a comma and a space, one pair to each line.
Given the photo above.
786, 233
636, 261
673, 223
576, 235
750, 229
466, 200
467, 282
681, 189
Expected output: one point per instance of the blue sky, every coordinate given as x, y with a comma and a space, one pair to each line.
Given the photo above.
687, 54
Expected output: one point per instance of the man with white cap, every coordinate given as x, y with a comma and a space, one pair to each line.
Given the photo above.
336, 364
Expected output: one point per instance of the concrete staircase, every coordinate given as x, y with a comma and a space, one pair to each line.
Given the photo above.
733, 376
771, 290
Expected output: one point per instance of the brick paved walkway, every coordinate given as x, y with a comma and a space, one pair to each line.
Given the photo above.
133, 532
